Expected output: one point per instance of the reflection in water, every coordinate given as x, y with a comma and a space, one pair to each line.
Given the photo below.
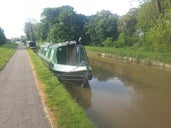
81, 95
124, 95
109, 100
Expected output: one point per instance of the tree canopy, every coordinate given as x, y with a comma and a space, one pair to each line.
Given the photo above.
147, 26
61, 24
154, 20
102, 26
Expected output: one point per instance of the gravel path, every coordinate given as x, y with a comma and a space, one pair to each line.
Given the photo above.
20, 102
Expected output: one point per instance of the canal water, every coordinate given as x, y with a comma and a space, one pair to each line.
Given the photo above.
125, 95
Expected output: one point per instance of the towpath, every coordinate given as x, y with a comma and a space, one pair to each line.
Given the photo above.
20, 102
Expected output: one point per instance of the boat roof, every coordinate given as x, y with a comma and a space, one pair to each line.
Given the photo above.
45, 45
67, 43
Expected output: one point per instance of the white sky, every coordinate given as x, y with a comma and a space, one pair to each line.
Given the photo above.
14, 13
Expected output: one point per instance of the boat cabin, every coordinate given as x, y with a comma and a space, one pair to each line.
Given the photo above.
31, 44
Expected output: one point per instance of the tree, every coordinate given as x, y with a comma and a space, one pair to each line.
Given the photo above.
101, 26
61, 24
154, 20
127, 28
28, 29
43, 30
2, 36
158, 6
31, 29
65, 27
49, 18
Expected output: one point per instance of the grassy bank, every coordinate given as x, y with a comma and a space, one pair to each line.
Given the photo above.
136, 54
6, 51
68, 114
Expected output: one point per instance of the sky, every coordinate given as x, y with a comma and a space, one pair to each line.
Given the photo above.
15, 13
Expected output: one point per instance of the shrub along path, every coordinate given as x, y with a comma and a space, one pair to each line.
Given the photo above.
20, 103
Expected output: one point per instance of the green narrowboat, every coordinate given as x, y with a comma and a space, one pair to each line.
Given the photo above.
68, 60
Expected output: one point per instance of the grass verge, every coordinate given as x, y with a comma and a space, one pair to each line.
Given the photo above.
68, 114
137, 54
6, 51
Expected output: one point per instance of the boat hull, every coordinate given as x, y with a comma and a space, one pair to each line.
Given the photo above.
69, 72
75, 76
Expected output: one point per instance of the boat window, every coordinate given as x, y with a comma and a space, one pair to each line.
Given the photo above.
45, 50
49, 53
69, 51
79, 56
61, 55
32, 44
51, 56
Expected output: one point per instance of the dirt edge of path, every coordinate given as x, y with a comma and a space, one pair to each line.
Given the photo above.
40, 88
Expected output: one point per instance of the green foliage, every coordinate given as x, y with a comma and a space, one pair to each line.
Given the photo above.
68, 114
31, 30
124, 40
127, 23
2, 36
121, 40
101, 26
127, 28
61, 24
147, 26
108, 42
6, 51
43, 31
159, 37
154, 19
146, 16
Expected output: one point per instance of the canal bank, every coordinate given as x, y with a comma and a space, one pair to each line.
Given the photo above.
132, 55
135, 60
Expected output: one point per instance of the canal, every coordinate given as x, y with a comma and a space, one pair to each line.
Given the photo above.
125, 95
